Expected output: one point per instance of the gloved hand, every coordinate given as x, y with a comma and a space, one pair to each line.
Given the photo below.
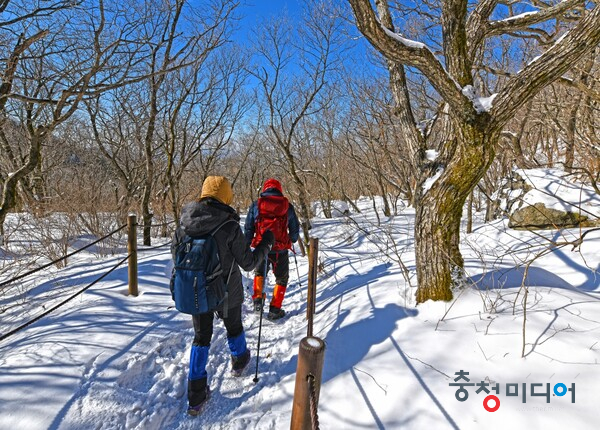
266, 243
268, 239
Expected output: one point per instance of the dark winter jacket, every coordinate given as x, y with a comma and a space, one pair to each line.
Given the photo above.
293, 223
200, 218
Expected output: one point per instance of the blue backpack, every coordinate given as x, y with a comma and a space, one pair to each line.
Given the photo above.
197, 284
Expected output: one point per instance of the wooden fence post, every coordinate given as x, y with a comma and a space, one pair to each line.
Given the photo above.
310, 365
132, 270
313, 254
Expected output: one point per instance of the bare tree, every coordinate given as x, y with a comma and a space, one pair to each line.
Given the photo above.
138, 124
292, 78
116, 130
371, 139
467, 130
62, 51
175, 46
65, 52
202, 110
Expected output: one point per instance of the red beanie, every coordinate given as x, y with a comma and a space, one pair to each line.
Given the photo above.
272, 183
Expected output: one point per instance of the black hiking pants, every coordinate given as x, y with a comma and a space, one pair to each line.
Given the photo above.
203, 325
280, 263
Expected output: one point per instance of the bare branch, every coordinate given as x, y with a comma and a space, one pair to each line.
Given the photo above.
13, 61
399, 89
410, 53
38, 12
547, 68
477, 25
527, 19
3, 4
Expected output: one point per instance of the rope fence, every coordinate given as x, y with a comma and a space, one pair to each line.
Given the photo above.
132, 270
155, 247
10, 333
45, 266
314, 402
312, 349
164, 224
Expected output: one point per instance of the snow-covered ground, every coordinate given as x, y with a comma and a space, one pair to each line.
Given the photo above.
557, 190
107, 360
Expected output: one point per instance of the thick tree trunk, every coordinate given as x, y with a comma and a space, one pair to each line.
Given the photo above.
439, 212
8, 198
431, 248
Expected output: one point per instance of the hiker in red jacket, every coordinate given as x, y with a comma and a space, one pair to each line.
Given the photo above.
272, 211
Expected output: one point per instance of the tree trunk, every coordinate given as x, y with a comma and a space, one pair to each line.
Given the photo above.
470, 214
386, 205
431, 248
9, 191
147, 218
175, 197
305, 216
570, 137
439, 211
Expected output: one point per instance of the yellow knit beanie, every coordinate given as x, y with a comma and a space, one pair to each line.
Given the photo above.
217, 187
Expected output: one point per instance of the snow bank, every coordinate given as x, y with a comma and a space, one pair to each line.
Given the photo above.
339, 208
553, 188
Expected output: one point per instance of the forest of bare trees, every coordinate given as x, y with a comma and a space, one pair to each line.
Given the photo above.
116, 106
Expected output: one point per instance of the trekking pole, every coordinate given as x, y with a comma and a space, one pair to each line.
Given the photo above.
297, 272
262, 309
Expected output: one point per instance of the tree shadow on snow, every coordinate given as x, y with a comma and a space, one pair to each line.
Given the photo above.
351, 283
515, 277
356, 340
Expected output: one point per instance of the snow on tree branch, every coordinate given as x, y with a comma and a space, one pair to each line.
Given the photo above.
548, 67
411, 53
406, 42
526, 19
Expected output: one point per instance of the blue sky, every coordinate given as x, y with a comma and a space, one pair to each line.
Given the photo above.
263, 8
252, 12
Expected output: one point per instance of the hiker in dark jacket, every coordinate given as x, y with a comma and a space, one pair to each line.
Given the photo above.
272, 212
200, 218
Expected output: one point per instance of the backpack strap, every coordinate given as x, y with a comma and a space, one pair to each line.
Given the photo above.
212, 233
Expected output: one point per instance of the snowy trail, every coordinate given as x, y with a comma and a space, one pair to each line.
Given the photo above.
158, 379
110, 361
133, 372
